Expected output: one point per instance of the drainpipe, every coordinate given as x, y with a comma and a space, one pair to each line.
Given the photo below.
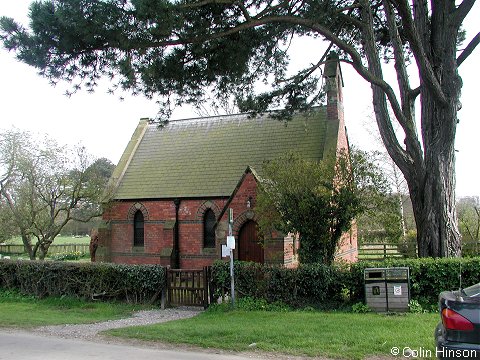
176, 246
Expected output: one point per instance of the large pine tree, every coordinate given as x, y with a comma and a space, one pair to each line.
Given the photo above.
183, 51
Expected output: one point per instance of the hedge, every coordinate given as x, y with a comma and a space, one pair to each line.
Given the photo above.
305, 285
319, 284
316, 284
130, 283
428, 276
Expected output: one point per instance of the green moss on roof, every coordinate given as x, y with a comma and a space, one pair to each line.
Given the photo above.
207, 156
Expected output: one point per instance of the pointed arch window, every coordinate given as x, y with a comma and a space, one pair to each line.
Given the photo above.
139, 229
209, 229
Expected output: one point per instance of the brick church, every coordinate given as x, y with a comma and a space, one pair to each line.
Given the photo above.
173, 185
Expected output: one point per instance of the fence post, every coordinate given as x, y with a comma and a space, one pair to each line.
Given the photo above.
167, 286
205, 287
211, 289
163, 298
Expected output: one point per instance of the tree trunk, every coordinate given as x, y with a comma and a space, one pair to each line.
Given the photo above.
44, 246
27, 245
434, 210
430, 172
433, 197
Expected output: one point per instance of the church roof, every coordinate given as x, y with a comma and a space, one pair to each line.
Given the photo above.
205, 157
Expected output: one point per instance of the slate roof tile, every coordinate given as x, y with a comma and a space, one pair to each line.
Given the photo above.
207, 156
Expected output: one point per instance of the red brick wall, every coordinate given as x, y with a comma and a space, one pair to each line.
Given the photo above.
290, 246
159, 238
348, 247
241, 213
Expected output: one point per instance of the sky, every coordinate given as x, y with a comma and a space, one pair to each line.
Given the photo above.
104, 124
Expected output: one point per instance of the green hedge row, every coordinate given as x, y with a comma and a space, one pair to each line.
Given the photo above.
131, 283
316, 284
323, 285
428, 277
297, 287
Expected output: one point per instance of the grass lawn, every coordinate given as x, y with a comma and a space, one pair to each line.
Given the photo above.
18, 311
330, 334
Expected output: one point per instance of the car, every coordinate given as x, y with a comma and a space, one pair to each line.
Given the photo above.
457, 336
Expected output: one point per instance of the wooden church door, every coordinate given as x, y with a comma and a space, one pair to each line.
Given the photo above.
249, 246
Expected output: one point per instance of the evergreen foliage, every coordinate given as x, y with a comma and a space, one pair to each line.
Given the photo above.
187, 52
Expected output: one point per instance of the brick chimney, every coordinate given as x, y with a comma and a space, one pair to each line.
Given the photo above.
333, 86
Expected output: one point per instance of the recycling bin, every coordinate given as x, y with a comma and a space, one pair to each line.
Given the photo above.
387, 289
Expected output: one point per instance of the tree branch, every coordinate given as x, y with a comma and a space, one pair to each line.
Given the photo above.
402, 76
194, 5
379, 100
414, 93
406, 121
244, 10
418, 43
469, 49
462, 11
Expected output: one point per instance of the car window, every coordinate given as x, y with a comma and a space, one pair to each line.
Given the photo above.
472, 291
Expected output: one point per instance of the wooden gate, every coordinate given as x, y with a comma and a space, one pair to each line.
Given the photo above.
188, 287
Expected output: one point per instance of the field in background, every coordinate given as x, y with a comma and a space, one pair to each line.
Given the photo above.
61, 245
59, 240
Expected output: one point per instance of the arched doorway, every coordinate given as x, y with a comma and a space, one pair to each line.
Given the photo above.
249, 246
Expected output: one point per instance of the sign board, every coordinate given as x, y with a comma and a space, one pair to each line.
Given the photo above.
397, 290
231, 242
225, 251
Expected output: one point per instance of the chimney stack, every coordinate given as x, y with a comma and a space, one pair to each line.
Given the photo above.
333, 86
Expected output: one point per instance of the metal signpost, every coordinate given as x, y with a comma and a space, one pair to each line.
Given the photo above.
231, 246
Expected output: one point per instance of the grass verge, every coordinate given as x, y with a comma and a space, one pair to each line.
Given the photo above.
21, 311
334, 334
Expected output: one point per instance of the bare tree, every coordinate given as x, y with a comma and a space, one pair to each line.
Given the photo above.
45, 186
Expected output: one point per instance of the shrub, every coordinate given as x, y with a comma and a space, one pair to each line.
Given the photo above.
415, 307
311, 284
73, 255
360, 308
330, 286
131, 283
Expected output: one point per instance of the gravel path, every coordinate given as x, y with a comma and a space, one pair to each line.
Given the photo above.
146, 317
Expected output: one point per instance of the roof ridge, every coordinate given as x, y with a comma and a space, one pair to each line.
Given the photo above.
244, 114
209, 117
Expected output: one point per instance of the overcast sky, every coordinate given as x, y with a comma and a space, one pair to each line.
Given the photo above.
104, 124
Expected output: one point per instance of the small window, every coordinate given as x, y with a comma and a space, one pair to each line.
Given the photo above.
139, 229
209, 229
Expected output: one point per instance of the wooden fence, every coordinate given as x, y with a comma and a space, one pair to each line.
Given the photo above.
372, 251
53, 249
376, 251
